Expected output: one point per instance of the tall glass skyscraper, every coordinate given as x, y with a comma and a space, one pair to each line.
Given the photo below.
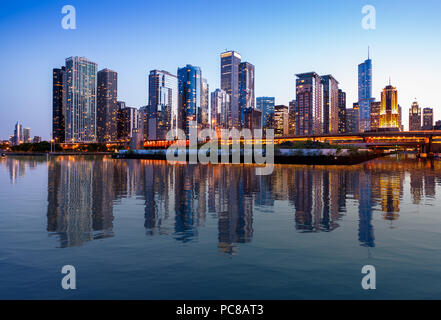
80, 118
189, 96
341, 111
266, 106
230, 61
204, 112
58, 103
365, 93
107, 108
309, 106
246, 90
163, 104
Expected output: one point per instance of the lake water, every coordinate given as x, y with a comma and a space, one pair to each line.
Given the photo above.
141, 229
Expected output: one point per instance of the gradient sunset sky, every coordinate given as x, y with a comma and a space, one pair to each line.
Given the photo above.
280, 37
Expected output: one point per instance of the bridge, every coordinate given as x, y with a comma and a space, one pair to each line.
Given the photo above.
420, 141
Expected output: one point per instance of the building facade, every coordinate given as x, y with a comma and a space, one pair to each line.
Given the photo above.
353, 119
292, 117
341, 111
205, 104
389, 113
230, 62
107, 108
220, 110
309, 104
330, 104
375, 116
163, 105
80, 117
365, 93
246, 90
266, 106
189, 97
58, 103
427, 119
281, 115
415, 117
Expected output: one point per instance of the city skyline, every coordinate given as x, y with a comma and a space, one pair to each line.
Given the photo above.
285, 60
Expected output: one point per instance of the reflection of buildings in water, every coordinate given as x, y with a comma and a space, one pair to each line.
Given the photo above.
303, 199
17, 166
416, 186
365, 204
80, 196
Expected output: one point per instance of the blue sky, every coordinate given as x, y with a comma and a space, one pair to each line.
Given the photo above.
280, 37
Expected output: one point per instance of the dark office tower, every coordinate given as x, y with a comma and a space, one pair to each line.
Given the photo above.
246, 89
80, 116
266, 105
58, 103
353, 119
205, 110
341, 111
414, 117
365, 93
127, 121
107, 108
189, 96
163, 104
330, 104
427, 119
292, 118
253, 119
144, 121
309, 104
230, 61
375, 115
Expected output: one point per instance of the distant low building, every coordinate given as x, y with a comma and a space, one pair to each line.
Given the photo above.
37, 139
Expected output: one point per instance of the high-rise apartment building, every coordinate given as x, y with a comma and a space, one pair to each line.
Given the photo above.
330, 104
107, 108
309, 104
189, 97
163, 105
341, 111
292, 117
281, 115
375, 116
230, 62
80, 117
59, 81
415, 117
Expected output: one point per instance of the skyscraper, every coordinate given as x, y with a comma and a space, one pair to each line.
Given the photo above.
80, 117
341, 111
26, 135
204, 112
128, 121
266, 105
415, 117
163, 104
292, 117
330, 104
246, 89
309, 104
375, 116
107, 108
58, 103
220, 110
389, 113
365, 93
353, 119
18, 134
230, 61
281, 120
427, 119
189, 96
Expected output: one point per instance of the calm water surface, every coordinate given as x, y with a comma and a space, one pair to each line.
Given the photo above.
151, 230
